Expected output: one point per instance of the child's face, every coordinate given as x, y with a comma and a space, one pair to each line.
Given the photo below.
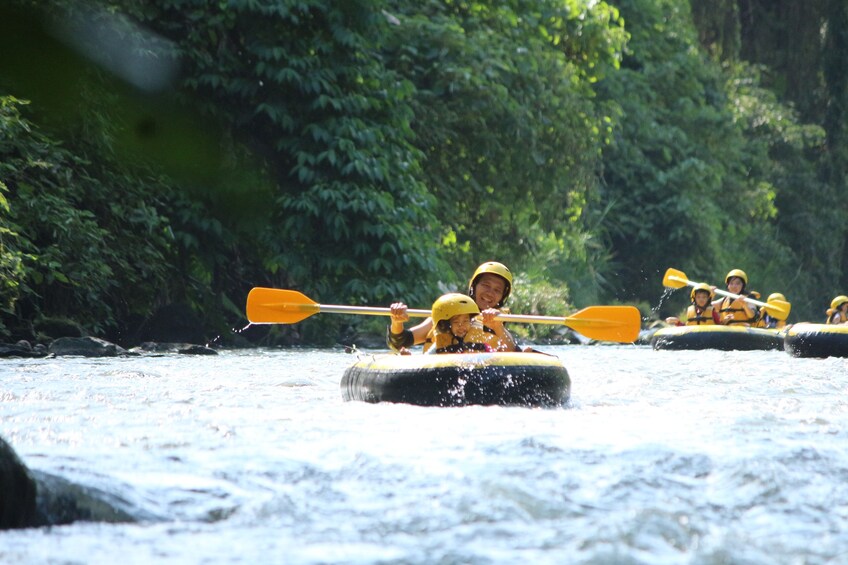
460, 324
702, 297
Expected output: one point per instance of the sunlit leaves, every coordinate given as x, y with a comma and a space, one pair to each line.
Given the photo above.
55, 246
504, 114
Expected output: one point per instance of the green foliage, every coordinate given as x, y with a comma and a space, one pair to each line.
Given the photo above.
504, 116
11, 257
301, 84
537, 296
719, 27
677, 176
370, 151
793, 254
835, 122
74, 240
786, 81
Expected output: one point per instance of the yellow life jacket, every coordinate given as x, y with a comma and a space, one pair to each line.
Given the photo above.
481, 334
695, 319
731, 312
831, 314
429, 339
769, 322
476, 339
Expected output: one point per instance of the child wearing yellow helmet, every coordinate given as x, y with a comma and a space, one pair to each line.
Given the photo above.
701, 311
838, 311
490, 286
768, 321
736, 311
454, 332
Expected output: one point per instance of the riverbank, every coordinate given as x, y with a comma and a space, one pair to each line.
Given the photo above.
89, 346
96, 347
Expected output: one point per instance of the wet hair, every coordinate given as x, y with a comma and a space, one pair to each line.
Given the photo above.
444, 326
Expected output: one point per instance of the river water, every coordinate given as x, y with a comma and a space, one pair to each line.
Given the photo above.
253, 457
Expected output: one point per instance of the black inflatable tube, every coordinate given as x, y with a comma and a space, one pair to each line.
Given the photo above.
717, 337
816, 340
460, 384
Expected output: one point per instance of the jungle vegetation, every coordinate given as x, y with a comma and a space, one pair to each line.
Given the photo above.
157, 152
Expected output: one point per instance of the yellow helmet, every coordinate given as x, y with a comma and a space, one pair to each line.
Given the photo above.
838, 301
494, 268
736, 273
449, 305
776, 296
700, 286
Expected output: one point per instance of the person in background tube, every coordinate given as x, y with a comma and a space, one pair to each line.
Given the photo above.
701, 310
737, 311
766, 320
838, 311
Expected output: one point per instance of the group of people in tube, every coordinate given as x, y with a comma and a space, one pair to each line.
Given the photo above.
728, 310
460, 323
738, 311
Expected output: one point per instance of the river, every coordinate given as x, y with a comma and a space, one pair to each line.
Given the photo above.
252, 456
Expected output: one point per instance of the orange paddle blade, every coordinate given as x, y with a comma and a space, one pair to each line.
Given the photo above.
778, 308
607, 323
278, 306
675, 279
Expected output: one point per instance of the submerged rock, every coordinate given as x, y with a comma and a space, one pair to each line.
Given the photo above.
86, 347
22, 349
197, 350
32, 498
60, 502
184, 348
17, 491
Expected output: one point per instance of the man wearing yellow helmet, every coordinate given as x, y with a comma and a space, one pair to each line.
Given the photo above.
701, 311
736, 311
490, 286
838, 311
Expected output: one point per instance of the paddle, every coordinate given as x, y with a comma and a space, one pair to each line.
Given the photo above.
279, 306
777, 308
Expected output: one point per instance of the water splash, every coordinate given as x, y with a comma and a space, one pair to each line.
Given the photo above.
655, 310
217, 339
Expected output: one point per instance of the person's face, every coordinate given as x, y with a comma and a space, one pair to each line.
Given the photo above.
702, 297
460, 324
735, 285
489, 291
